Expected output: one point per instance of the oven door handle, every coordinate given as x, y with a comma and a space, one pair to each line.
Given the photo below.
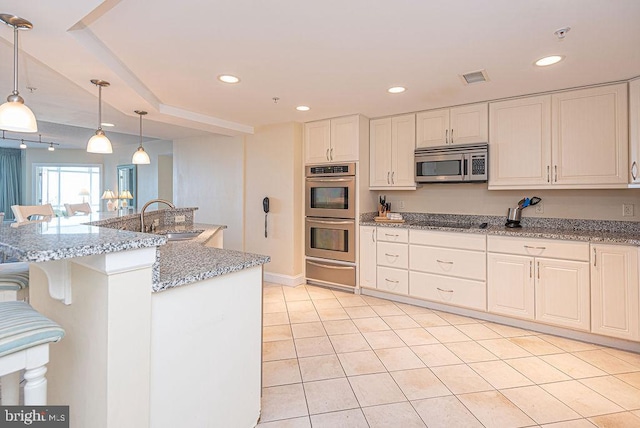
331, 222
329, 267
316, 179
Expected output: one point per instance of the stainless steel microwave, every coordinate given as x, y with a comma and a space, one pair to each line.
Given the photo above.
452, 163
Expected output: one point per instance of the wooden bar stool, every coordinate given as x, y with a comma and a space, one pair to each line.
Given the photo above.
73, 209
25, 335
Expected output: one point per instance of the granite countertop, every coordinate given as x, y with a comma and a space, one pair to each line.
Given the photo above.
602, 231
178, 262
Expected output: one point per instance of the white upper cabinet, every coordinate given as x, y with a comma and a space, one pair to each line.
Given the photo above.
634, 129
456, 125
333, 140
575, 139
589, 133
520, 143
391, 149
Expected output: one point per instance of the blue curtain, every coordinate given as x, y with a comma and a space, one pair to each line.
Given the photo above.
10, 183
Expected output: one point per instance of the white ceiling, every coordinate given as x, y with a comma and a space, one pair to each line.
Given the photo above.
336, 56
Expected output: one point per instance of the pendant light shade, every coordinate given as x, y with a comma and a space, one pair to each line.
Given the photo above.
14, 115
140, 157
99, 143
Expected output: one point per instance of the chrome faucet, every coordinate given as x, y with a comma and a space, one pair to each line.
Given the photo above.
145, 206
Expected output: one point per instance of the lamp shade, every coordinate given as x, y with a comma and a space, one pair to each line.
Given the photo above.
99, 143
84, 192
17, 117
108, 194
140, 157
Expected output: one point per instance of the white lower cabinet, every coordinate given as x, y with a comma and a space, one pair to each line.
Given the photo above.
524, 282
367, 259
393, 280
614, 291
562, 293
510, 285
448, 267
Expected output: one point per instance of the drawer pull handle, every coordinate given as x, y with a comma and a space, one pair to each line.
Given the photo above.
535, 248
391, 255
444, 291
445, 262
390, 280
595, 259
389, 234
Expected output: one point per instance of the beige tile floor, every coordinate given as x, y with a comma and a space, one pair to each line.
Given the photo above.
333, 359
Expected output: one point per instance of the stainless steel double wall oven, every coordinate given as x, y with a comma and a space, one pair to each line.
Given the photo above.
330, 226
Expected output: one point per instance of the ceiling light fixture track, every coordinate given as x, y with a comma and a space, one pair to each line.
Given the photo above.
24, 140
15, 116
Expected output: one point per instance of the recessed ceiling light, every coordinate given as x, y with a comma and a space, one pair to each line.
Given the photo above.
227, 78
302, 108
396, 89
107, 124
549, 60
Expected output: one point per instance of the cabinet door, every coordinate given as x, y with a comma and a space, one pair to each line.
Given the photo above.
634, 129
520, 144
344, 139
614, 291
367, 260
589, 136
402, 150
316, 141
469, 124
562, 293
510, 285
393, 280
432, 128
380, 153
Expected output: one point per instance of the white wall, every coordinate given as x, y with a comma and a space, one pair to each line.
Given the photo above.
476, 199
208, 173
273, 168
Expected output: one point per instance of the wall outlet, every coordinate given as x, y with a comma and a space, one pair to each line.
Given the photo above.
627, 210
539, 208
179, 219
400, 205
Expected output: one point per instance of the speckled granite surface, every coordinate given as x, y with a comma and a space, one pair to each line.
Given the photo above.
177, 263
621, 232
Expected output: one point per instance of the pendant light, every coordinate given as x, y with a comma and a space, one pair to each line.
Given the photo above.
14, 115
140, 157
99, 143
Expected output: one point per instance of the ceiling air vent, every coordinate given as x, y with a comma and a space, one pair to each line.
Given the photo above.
474, 77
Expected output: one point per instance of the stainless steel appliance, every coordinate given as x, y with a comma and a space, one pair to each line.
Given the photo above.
455, 164
331, 191
330, 225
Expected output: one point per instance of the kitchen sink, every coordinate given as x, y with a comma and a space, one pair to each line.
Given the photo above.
181, 236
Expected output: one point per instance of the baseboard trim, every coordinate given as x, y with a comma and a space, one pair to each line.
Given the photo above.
288, 280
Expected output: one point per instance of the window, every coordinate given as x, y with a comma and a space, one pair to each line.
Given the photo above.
67, 184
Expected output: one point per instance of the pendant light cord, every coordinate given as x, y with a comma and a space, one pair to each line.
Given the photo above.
140, 130
15, 60
99, 107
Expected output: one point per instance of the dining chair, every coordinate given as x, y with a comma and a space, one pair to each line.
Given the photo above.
24, 213
73, 209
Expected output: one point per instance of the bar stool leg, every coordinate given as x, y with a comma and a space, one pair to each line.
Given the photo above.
11, 389
35, 390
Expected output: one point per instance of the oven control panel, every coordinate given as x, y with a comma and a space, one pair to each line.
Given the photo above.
329, 170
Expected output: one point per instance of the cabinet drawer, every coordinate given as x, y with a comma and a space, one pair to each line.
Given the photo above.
393, 255
551, 248
450, 262
393, 280
393, 234
465, 241
447, 290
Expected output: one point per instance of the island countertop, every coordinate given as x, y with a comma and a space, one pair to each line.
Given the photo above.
178, 262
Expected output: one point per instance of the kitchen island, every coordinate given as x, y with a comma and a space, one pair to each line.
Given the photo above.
158, 334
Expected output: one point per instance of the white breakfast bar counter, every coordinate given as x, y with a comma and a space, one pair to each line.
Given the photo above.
158, 334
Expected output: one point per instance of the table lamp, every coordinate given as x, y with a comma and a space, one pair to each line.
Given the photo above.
124, 195
109, 195
84, 192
